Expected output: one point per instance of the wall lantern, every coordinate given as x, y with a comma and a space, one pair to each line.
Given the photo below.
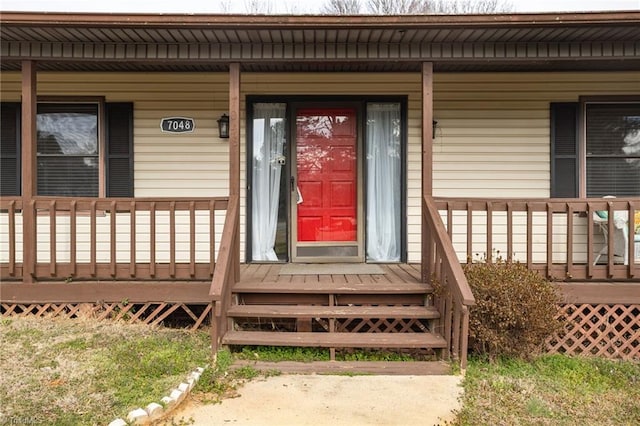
435, 126
223, 126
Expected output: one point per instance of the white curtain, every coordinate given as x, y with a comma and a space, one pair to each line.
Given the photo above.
268, 160
384, 169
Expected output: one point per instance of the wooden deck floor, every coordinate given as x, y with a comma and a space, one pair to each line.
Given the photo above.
397, 273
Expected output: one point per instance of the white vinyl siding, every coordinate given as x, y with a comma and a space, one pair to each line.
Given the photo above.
492, 138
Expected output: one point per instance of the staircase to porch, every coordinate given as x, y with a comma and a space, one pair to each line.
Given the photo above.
388, 311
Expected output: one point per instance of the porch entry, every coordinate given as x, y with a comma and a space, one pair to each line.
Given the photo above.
324, 184
326, 181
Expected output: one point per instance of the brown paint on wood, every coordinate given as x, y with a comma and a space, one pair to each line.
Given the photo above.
332, 311
52, 239
234, 158
172, 239
192, 238
83, 292
549, 239
427, 156
335, 340
133, 239
152, 239
489, 255
93, 238
74, 238
29, 167
529, 237
103, 271
469, 234
112, 239
12, 237
569, 246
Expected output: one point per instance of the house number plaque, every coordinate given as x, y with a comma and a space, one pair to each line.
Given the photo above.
177, 125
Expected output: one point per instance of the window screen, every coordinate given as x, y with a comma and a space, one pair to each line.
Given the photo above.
613, 149
68, 161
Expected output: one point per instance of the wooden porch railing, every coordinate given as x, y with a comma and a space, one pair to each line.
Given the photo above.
225, 275
557, 237
109, 239
442, 266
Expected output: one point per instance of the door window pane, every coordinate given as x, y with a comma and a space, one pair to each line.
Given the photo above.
384, 185
269, 219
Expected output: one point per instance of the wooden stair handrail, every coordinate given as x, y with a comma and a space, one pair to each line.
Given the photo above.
440, 264
223, 275
449, 257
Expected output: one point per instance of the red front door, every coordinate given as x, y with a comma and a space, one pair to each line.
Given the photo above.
326, 195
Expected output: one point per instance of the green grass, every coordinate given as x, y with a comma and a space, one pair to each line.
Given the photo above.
553, 390
68, 372
278, 353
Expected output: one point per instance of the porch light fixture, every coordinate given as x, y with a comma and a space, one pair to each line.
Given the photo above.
223, 126
435, 126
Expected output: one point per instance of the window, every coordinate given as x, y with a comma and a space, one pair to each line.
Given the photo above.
69, 152
612, 134
595, 149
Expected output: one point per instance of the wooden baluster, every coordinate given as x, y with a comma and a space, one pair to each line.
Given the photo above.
590, 242
632, 245
133, 240
469, 233
152, 239
192, 238
53, 258
489, 232
172, 239
569, 208
31, 272
509, 231
610, 241
450, 221
529, 235
212, 236
93, 236
549, 240
12, 237
73, 230
112, 239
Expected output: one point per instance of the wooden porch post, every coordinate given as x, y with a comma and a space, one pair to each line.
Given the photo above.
234, 153
29, 167
427, 156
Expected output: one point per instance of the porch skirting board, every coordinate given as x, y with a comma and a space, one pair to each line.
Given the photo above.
330, 269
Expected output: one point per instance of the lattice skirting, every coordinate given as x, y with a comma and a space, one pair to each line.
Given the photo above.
611, 331
159, 313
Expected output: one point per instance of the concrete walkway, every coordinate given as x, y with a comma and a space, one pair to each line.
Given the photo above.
334, 400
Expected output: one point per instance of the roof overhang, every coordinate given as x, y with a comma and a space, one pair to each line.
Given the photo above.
117, 42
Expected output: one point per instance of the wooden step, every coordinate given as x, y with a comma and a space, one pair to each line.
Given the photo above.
331, 288
334, 340
302, 311
388, 368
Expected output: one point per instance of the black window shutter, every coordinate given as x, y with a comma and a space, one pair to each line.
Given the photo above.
10, 154
119, 161
564, 149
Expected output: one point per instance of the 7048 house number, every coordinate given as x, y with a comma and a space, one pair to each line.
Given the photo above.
177, 125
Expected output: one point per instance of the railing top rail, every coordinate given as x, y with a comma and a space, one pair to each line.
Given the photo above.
448, 253
129, 204
6, 201
536, 204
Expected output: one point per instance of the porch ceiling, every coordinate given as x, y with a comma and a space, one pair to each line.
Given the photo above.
109, 42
